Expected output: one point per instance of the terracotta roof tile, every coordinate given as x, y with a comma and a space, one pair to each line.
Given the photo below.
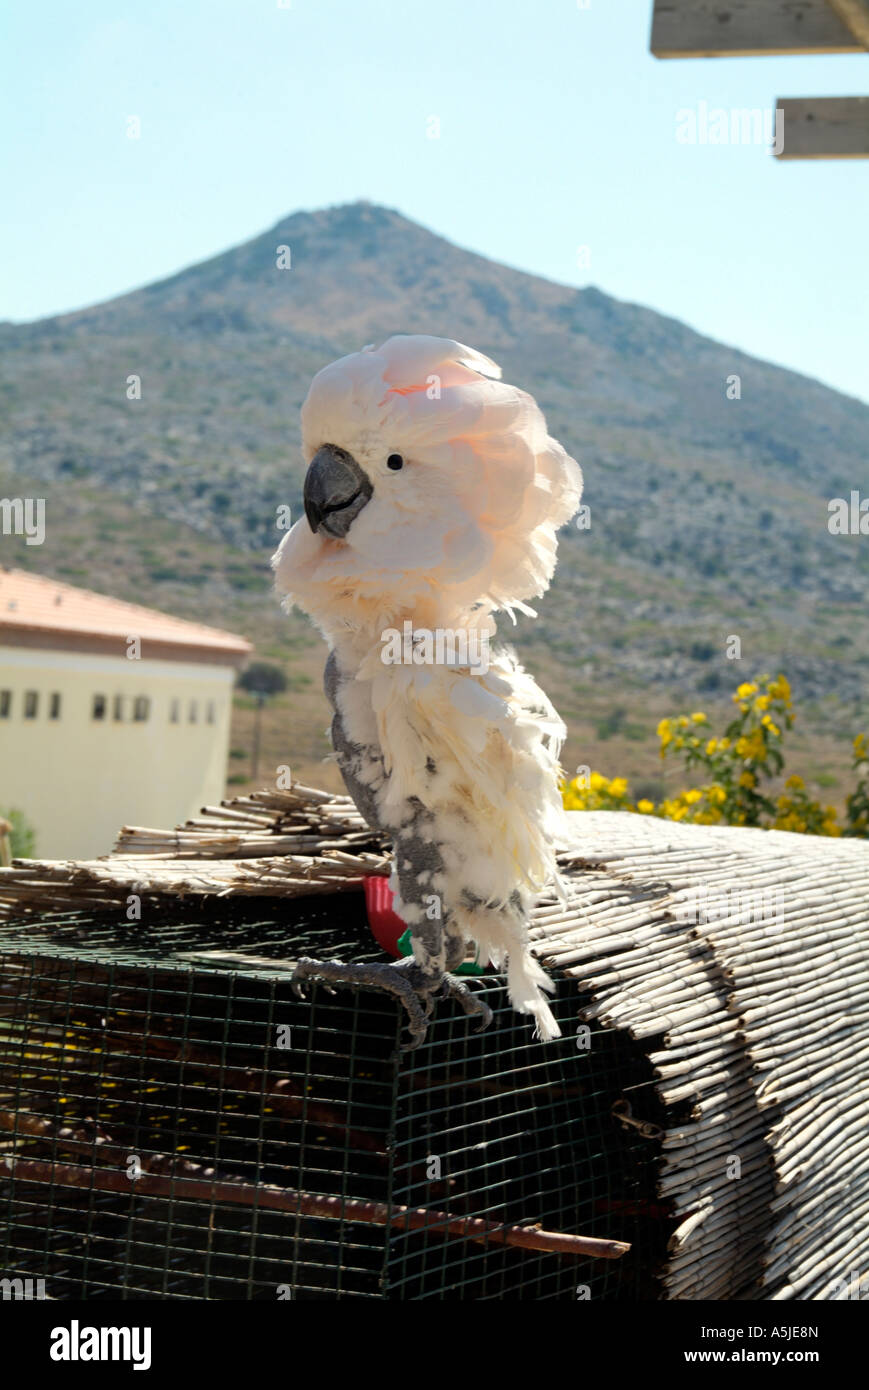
34, 603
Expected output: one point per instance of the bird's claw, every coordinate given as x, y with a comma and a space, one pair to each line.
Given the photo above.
469, 1002
376, 974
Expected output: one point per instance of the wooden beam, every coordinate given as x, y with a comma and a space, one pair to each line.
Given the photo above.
825, 127
750, 28
854, 14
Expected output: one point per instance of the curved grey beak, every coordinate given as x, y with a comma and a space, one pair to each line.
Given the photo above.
336, 490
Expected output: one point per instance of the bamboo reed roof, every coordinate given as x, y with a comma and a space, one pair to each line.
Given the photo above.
739, 958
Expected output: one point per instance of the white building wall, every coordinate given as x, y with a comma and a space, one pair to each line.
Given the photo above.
77, 779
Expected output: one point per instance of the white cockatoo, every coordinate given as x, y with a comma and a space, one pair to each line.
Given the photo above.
432, 500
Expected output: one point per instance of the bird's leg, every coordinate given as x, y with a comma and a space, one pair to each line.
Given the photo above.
438, 946
417, 980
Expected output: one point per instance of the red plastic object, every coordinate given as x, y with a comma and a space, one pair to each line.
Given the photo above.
386, 925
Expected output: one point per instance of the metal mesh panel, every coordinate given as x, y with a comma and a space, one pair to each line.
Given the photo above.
524, 1133
163, 1136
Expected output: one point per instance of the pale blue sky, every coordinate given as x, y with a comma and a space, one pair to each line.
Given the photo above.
558, 130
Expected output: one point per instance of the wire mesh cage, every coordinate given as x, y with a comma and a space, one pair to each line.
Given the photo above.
173, 1128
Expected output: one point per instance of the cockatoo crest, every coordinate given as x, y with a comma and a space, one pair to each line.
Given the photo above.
471, 515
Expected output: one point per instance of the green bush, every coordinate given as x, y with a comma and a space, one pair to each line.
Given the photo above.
736, 769
23, 836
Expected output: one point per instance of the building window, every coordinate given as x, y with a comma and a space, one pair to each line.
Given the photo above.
209, 712
118, 709
141, 708
193, 714
31, 704
98, 710
5, 704
54, 705
175, 712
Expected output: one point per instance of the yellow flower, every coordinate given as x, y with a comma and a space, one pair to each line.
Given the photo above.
750, 745
860, 746
762, 702
618, 786
773, 728
744, 690
716, 795
780, 689
699, 718
645, 807
747, 779
692, 796
795, 783
598, 782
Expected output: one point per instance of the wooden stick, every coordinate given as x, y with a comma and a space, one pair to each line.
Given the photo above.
237, 1192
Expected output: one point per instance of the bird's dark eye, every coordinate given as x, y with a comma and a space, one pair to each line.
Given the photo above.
395, 461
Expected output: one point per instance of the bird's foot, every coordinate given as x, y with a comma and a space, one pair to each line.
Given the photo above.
412, 986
